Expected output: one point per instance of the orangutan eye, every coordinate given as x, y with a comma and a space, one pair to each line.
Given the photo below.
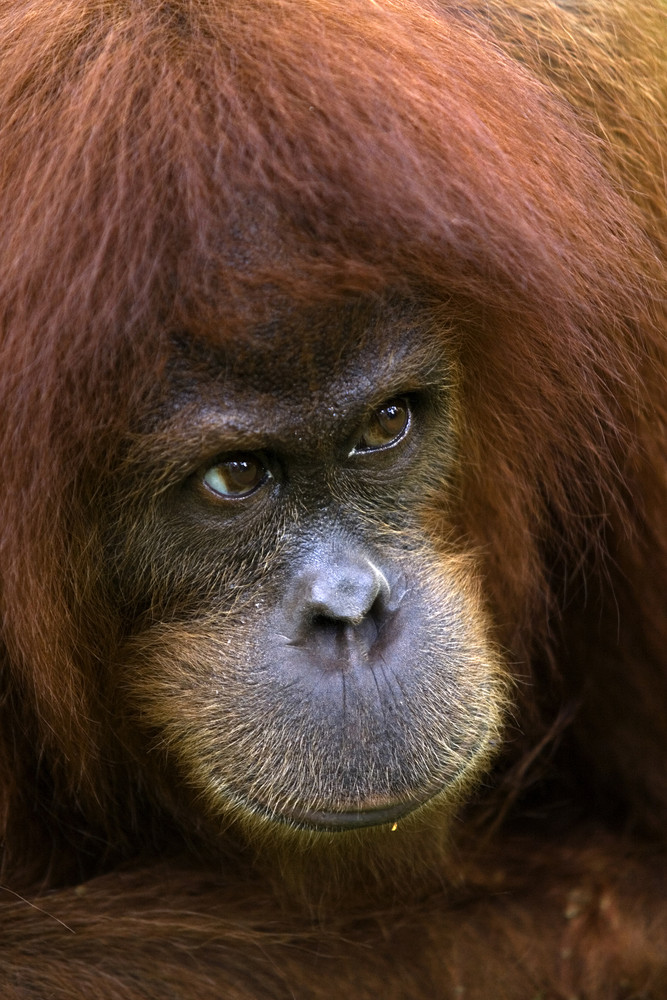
385, 426
236, 476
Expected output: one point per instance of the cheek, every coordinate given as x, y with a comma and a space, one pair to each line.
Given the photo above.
259, 725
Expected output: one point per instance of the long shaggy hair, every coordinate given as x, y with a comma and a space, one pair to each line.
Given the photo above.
502, 164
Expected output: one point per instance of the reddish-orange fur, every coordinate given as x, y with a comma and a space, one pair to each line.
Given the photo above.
503, 162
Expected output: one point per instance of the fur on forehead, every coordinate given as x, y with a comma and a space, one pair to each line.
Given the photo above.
306, 162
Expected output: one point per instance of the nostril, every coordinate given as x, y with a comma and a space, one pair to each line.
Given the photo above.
322, 620
340, 635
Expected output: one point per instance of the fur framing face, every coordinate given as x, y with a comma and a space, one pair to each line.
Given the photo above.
294, 180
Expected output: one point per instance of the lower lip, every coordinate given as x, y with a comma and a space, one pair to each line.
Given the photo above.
354, 820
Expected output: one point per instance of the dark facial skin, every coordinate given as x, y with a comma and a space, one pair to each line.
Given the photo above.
300, 646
